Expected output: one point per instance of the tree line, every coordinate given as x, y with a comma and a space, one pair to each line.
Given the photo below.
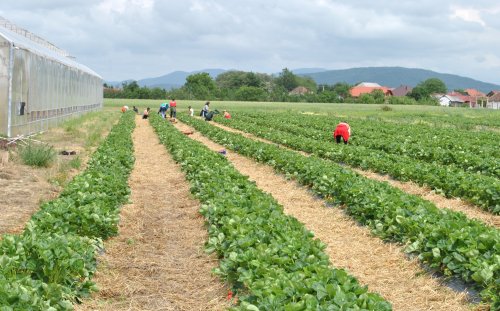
250, 86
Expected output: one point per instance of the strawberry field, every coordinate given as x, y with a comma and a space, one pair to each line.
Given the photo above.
265, 257
464, 164
444, 240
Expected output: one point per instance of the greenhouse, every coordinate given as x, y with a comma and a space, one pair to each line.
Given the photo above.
40, 84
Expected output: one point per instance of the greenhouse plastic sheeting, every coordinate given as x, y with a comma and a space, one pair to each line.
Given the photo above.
39, 87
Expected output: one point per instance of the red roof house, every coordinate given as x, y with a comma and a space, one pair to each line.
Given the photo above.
367, 88
402, 90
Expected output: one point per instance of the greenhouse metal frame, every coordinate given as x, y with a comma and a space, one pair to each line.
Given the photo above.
40, 84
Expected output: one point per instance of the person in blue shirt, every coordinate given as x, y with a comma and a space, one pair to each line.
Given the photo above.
163, 110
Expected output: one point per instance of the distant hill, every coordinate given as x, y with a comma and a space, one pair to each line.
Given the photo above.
304, 71
175, 79
396, 76
386, 76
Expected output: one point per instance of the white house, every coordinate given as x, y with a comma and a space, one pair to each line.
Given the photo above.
450, 101
493, 100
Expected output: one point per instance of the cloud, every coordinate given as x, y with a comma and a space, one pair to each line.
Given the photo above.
124, 39
468, 15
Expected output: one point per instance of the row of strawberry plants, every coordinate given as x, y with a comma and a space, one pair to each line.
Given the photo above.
423, 145
473, 142
481, 190
270, 259
424, 134
50, 264
445, 240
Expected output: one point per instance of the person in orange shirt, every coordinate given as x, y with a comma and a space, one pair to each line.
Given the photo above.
343, 130
124, 109
227, 115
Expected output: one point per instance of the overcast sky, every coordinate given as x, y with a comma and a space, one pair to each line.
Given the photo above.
136, 39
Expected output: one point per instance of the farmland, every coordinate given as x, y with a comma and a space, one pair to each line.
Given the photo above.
290, 221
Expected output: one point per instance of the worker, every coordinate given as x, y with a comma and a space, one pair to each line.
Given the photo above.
343, 130
173, 108
227, 115
205, 109
135, 109
163, 110
145, 114
209, 115
124, 109
191, 111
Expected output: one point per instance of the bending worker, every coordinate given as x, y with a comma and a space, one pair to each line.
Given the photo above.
342, 130
163, 110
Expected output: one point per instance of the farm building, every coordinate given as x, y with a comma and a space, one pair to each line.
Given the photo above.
40, 84
300, 90
401, 90
451, 101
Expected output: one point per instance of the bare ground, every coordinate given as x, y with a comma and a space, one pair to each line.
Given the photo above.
383, 267
22, 189
455, 204
157, 261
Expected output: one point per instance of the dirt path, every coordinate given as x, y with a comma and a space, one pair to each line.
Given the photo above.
455, 204
157, 262
383, 267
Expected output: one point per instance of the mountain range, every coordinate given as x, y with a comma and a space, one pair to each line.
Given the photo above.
385, 76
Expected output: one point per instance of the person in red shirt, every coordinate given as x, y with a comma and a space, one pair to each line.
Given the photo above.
342, 130
173, 108
227, 115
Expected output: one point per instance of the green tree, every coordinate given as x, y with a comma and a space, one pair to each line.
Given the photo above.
424, 89
366, 98
200, 86
287, 79
278, 94
378, 96
342, 89
158, 93
250, 93
237, 79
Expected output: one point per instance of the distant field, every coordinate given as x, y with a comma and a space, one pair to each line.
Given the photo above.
439, 116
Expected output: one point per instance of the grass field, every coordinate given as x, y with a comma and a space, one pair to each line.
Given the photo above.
435, 114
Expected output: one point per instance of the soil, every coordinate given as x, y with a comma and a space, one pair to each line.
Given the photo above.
455, 204
22, 189
157, 261
383, 267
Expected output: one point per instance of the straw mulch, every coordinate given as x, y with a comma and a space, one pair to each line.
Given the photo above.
383, 267
455, 204
157, 262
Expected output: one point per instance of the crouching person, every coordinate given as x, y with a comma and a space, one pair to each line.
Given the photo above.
343, 130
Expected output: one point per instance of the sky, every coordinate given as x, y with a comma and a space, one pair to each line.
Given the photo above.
137, 39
